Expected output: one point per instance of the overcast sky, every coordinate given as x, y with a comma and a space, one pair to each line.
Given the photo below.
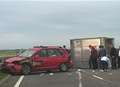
24, 24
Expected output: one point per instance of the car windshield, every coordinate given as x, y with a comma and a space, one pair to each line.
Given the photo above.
27, 53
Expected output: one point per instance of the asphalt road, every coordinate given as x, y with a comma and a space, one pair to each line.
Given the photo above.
74, 78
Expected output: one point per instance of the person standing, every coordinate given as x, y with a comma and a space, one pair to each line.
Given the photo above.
119, 57
90, 58
113, 55
93, 57
102, 53
68, 50
90, 63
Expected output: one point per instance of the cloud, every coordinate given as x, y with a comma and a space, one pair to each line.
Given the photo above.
13, 40
26, 24
59, 0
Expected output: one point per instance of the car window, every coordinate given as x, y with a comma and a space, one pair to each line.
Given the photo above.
52, 52
59, 52
55, 52
27, 53
43, 53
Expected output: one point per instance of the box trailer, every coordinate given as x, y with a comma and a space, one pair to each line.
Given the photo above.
81, 52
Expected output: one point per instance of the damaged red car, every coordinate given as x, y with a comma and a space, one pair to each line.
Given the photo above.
39, 58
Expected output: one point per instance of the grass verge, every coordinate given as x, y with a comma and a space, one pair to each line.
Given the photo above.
7, 53
2, 75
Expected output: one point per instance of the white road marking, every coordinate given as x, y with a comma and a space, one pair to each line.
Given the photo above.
19, 81
96, 73
80, 79
80, 70
110, 74
69, 74
97, 77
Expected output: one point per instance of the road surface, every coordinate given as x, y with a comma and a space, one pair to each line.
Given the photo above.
74, 78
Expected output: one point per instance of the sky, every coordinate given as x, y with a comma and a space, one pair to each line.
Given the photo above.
25, 23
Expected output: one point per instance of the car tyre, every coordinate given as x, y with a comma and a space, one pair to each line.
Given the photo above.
26, 69
63, 67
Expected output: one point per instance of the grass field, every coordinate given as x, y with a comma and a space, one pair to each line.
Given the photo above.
7, 53
2, 75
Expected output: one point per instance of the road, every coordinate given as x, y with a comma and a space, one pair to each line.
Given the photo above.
74, 78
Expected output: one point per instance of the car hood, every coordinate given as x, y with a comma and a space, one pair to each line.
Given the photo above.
14, 59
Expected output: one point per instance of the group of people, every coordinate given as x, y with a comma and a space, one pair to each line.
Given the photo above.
101, 59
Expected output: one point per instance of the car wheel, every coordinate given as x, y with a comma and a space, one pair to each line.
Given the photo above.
63, 67
26, 69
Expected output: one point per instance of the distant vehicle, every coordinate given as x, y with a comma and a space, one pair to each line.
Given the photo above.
45, 58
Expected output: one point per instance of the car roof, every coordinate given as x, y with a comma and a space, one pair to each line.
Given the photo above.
37, 48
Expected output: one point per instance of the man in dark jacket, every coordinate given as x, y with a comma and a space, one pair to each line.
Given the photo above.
102, 53
113, 54
93, 57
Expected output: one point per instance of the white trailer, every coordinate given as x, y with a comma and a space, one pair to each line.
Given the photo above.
81, 51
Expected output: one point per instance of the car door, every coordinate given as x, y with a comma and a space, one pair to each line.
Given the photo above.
54, 58
41, 60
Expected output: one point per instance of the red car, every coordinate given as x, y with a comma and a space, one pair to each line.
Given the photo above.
39, 58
